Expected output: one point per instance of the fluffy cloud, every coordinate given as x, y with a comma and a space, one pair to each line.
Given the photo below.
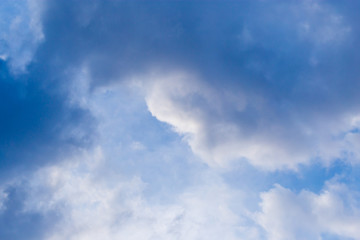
215, 122
221, 125
306, 215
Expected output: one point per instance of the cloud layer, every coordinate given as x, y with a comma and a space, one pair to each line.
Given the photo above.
124, 119
280, 89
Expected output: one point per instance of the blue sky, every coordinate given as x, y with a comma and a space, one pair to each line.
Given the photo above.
147, 120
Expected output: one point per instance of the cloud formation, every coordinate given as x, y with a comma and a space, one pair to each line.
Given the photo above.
274, 79
107, 107
93, 208
222, 125
287, 215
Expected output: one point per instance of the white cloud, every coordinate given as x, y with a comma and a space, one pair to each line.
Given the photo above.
93, 205
199, 112
20, 31
306, 215
222, 125
106, 207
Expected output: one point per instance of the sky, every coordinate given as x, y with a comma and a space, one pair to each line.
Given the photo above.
179, 120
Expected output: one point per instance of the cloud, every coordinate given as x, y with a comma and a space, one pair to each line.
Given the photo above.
305, 215
273, 79
92, 206
273, 84
13, 217
21, 32
184, 35
74, 200
222, 125
217, 124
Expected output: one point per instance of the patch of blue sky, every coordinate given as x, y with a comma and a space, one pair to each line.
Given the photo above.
326, 236
135, 143
311, 177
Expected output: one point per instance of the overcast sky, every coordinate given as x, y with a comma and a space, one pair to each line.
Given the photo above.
184, 120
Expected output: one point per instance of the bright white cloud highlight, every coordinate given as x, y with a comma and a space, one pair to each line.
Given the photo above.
306, 215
